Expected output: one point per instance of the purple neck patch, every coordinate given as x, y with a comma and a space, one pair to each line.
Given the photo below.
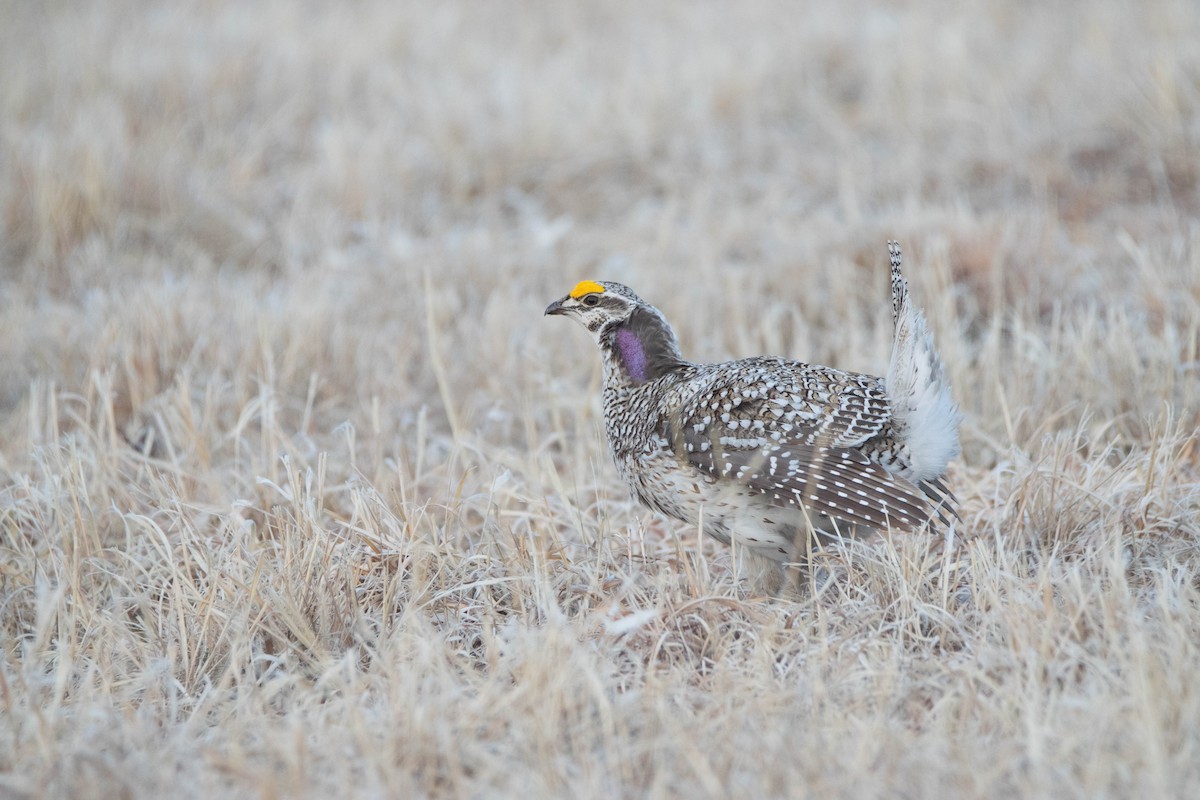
632, 353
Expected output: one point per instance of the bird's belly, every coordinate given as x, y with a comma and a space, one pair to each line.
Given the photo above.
659, 481
727, 512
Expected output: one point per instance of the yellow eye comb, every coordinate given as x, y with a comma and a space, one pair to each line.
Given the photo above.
585, 287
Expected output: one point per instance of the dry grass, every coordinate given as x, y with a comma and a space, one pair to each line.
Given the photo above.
300, 495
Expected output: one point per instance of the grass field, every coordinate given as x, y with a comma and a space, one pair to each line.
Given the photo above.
301, 496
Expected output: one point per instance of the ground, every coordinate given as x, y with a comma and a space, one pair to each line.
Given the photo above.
301, 496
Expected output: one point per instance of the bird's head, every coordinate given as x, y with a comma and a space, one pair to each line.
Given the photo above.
633, 336
598, 305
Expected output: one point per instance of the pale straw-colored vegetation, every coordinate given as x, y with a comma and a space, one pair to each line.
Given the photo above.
301, 496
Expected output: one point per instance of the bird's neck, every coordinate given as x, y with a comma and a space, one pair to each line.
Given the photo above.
641, 348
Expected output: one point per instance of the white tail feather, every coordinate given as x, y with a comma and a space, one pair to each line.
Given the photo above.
924, 413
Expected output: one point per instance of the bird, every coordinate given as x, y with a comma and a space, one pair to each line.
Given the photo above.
769, 454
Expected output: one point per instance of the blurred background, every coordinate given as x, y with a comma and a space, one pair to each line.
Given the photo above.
299, 491
200, 185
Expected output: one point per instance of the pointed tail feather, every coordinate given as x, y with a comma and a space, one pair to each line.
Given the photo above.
924, 413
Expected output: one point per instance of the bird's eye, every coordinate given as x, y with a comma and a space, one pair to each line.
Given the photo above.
591, 300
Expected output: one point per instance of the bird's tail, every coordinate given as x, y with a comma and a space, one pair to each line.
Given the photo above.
924, 414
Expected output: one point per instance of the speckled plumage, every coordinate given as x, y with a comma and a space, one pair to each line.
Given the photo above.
762, 451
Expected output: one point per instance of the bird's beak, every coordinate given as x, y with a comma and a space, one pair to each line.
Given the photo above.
556, 308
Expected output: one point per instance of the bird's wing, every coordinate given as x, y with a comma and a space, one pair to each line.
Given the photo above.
777, 400
789, 431
825, 482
